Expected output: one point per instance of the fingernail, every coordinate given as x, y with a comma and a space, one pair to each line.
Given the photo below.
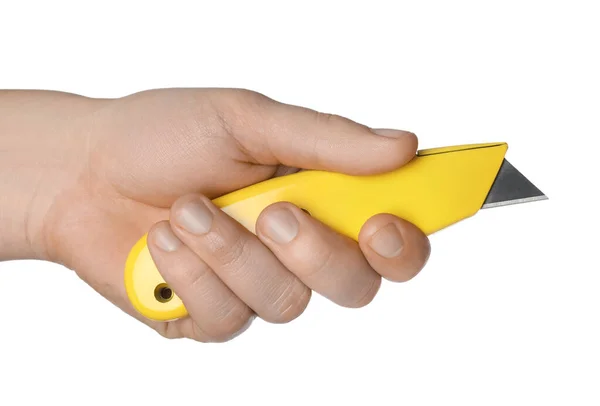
387, 242
195, 217
386, 132
281, 226
166, 240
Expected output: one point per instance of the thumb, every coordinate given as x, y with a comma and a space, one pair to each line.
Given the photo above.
272, 133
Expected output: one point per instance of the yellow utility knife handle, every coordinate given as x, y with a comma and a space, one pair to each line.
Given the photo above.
437, 188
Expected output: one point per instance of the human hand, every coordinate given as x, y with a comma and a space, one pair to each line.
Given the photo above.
153, 160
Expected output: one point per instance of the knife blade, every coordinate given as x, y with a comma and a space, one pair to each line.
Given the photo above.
511, 187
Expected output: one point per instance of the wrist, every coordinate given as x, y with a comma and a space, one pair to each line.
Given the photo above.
43, 141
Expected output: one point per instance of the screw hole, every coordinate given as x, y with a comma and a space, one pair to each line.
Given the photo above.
163, 293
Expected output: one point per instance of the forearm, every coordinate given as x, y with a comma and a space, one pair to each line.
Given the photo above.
42, 139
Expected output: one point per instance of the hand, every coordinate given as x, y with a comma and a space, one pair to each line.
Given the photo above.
153, 161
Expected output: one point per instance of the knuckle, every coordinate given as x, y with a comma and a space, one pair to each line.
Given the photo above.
236, 110
169, 330
229, 324
198, 334
195, 277
174, 330
327, 118
248, 96
366, 295
232, 253
164, 331
245, 103
291, 302
322, 259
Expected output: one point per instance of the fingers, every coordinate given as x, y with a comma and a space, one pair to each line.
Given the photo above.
327, 262
224, 274
273, 133
337, 267
217, 312
239, 259
397, 249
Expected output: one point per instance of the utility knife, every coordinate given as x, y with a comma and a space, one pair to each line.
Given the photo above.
437, 188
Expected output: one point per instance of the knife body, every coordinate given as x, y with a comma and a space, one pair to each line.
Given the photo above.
437, 188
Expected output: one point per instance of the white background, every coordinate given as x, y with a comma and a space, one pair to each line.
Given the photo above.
507, 312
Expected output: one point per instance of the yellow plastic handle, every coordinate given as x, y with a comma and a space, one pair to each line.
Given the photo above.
439, 187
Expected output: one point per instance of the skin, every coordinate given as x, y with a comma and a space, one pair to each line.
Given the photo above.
84, 178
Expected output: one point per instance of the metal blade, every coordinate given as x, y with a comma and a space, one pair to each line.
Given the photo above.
511, 187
